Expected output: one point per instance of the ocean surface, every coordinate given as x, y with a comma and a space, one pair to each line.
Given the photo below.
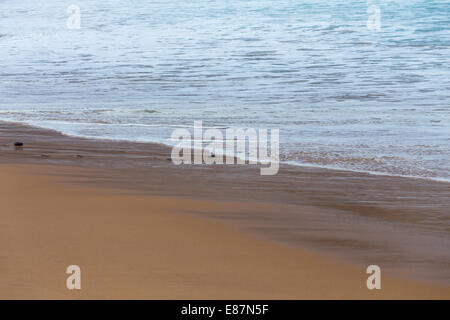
342, 94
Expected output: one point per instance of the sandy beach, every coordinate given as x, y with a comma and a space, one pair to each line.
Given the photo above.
141, 228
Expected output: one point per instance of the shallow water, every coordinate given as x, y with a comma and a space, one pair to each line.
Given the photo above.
342, 95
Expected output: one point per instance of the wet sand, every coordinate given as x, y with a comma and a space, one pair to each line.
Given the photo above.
144, 228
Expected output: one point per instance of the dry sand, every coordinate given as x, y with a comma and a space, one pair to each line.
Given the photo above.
141, 247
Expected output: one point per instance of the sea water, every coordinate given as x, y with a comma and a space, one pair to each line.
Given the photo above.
343, 93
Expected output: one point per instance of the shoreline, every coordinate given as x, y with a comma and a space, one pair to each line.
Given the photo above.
289, 163
348, 217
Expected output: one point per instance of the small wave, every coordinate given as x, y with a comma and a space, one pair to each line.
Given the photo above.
147, 111
376, 173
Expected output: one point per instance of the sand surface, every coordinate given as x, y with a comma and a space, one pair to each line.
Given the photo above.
141, 227
143, 247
